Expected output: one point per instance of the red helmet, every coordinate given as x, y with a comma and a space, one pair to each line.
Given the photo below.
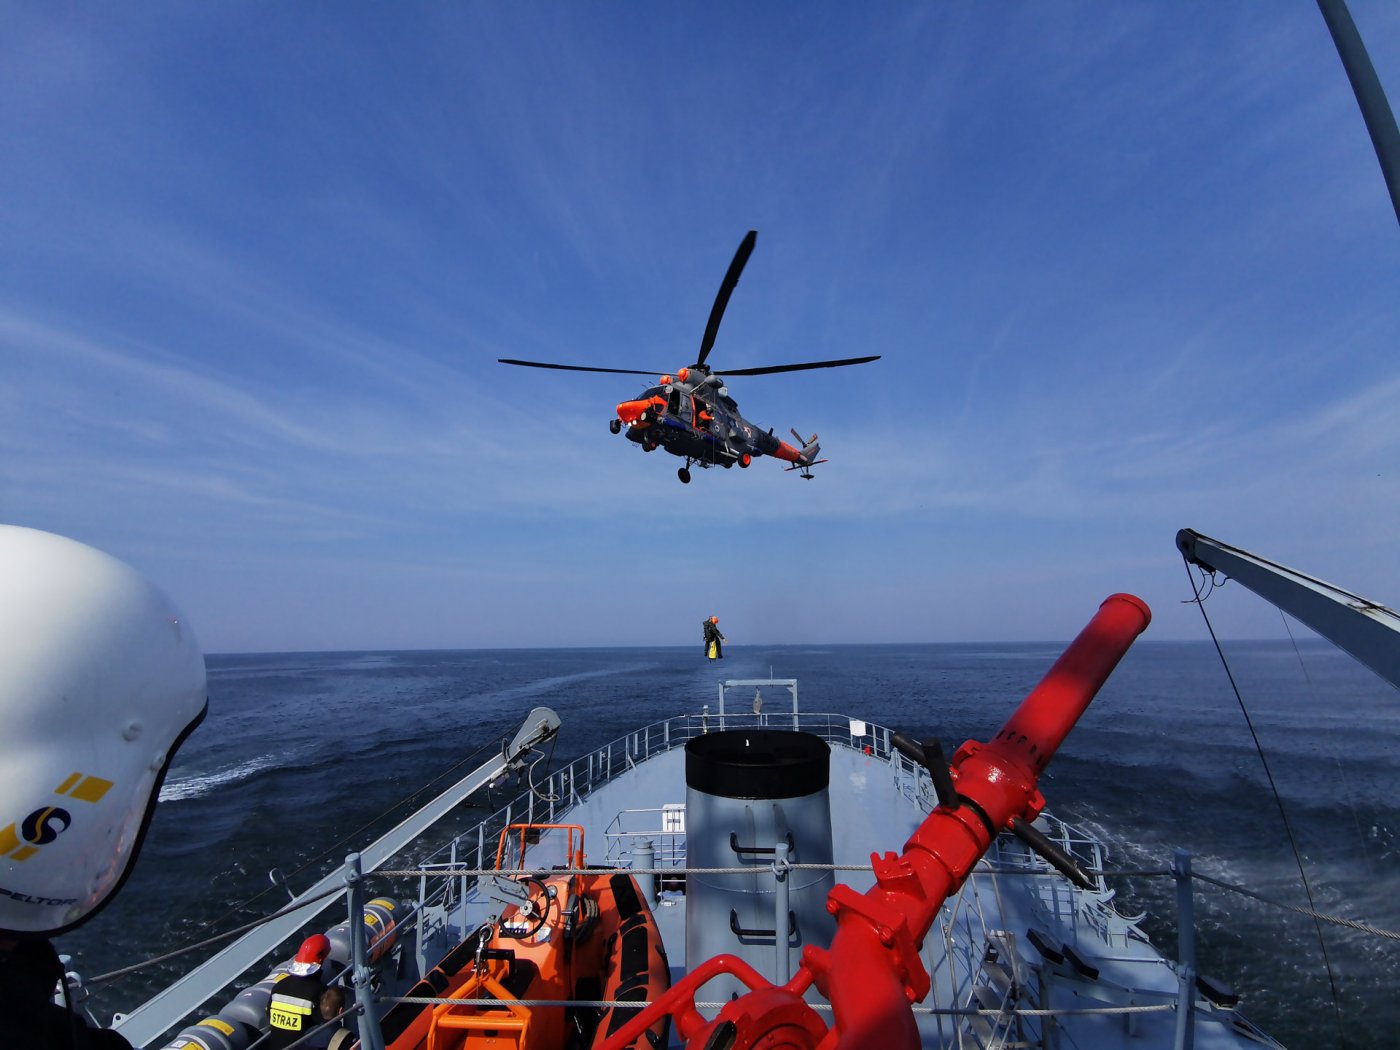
311, 955
714, 619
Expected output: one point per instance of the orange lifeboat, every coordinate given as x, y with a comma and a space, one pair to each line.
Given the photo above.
576, 937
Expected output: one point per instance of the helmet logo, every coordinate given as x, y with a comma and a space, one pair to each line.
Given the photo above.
38, 827
45, 824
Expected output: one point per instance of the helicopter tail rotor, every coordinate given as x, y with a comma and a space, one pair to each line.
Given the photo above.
803, 459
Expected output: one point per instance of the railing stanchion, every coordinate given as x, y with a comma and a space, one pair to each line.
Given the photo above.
371, 1038
1185, 951
461, 884
782, 950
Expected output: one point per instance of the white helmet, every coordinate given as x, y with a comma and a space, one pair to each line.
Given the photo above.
100, 681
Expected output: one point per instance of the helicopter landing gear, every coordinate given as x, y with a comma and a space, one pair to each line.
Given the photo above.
615, 425
648, 446
745, 460
684, 475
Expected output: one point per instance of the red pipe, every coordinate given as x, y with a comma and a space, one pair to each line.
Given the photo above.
872, 972
1000, 778
1047, 715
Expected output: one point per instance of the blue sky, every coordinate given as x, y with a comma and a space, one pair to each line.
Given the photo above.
1130, 267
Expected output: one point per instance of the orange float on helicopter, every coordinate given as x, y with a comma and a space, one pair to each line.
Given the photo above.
635, 413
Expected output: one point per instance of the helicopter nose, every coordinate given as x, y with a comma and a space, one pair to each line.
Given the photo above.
631, 411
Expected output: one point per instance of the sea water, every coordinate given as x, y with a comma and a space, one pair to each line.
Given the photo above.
306, 756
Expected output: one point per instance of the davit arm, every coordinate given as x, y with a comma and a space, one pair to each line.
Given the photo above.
872, 971
1366, 629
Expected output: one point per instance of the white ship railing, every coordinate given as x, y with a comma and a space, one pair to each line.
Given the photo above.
574, 783
662, 826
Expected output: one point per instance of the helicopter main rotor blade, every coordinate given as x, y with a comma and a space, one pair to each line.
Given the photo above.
798, 368
575, 368
726, 288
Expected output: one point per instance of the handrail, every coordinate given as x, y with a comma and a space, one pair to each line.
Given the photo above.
577, 780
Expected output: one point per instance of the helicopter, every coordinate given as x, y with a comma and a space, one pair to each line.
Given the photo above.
690, 413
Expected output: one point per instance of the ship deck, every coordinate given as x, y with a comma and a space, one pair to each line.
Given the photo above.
1015, 944
1017, 957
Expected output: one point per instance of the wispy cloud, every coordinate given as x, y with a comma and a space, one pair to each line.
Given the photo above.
1123, 270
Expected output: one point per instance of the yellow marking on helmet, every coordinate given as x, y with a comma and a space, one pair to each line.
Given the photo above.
26, 852
91, 789
8, 839
67, 785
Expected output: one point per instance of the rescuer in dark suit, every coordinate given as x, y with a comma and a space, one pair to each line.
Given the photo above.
296, 998
29, 973
714, 641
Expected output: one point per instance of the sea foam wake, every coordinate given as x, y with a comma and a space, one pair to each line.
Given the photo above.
196, 784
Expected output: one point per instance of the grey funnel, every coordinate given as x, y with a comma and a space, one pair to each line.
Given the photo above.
747, 790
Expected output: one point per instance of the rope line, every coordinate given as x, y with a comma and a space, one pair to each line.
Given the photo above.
356, 834
517, 872
751, 869
1278, 801
637, 1004
1327, 741
1336, 920
227, 935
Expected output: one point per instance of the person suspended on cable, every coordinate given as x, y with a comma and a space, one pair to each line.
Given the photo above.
101, 681
714, 641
